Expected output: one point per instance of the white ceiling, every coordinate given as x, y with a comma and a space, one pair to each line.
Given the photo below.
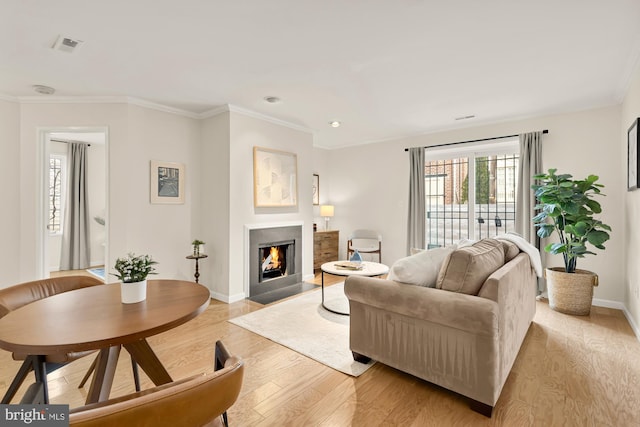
383, 68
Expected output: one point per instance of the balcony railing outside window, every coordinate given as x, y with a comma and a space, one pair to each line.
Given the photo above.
454, 212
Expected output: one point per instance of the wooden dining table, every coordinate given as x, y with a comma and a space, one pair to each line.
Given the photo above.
94, 318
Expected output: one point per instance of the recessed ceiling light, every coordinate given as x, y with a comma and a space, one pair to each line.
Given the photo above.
272, 99
44, 90
335, 124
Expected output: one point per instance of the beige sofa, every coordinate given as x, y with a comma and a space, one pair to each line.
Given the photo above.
465, 343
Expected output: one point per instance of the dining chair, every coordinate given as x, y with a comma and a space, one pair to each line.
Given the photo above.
194, 401
14, 297
365, 242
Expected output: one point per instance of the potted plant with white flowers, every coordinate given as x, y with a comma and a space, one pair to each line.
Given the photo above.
132, 272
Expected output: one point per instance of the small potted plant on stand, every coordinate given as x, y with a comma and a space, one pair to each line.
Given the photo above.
132, 272
567, 208
197, 247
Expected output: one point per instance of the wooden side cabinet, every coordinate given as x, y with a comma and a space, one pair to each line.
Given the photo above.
325, 247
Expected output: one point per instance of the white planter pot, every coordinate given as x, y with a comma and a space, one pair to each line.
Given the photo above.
133, 292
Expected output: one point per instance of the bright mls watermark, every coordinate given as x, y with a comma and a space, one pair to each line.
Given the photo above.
34, 415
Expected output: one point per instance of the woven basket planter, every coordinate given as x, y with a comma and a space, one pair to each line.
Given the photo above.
570, 293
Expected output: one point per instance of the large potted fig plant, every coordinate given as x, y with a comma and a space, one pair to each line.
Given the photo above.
567, 208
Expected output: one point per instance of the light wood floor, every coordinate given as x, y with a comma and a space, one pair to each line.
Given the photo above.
79, 273
571, 371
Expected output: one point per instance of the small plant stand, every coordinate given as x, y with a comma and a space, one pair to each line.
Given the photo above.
197, 257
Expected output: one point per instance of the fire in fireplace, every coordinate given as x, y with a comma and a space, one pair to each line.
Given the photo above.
274, 260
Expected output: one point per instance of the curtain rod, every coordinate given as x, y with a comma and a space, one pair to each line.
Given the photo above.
475, 140
66, 142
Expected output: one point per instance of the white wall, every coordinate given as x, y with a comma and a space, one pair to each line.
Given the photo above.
369, 184
227, 195
322, 168
10, 214
245, 133
164, 231
34, 117
136, 136
630, 112
214, 202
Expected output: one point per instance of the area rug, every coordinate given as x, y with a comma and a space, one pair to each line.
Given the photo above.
98, 272
304, 326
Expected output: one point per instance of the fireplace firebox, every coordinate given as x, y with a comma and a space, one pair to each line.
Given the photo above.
276, 260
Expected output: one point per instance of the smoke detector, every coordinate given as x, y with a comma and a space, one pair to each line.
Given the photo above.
44, 90
66, 44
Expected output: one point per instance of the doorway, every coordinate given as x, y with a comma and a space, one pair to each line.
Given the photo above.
54, 183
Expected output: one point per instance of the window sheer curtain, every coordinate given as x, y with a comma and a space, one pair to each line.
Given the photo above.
75, 252
530, 164
417, 214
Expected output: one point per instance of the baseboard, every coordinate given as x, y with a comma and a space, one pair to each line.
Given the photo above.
308, 277
635, 328
227, 298
619, 306
608, 304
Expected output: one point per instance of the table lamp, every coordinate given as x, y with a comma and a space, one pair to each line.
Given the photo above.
326, 211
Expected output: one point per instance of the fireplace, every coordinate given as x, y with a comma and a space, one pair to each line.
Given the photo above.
275, 258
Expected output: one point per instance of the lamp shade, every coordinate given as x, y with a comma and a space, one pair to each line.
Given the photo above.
326, 210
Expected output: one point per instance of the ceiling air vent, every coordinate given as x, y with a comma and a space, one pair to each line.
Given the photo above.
66, 44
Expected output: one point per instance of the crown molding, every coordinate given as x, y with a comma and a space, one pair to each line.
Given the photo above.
628, 73
160, 107
214, 112
8, 98
105, 100
250, 113
153, 106
40, 99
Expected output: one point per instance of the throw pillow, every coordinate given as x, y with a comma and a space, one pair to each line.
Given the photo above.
511, 250
420, 269
466, 269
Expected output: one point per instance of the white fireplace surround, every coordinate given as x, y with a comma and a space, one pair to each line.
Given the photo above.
247, 255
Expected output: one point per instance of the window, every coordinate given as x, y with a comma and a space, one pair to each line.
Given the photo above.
57, 167
470, 193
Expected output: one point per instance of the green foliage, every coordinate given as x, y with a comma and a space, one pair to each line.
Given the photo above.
197, 242
134, 268
566, 206
482, 182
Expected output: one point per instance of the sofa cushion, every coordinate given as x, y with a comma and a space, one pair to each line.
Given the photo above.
511, 250
466, 269
420, 269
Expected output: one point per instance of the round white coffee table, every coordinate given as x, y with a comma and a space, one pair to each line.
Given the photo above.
369, 269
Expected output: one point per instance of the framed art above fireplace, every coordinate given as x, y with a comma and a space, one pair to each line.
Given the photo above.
275, 178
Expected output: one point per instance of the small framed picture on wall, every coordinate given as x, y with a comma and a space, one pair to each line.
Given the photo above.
167, 182
632, 159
